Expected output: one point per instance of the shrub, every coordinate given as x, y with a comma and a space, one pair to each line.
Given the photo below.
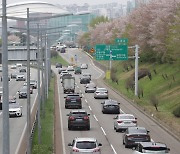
54, 54
154, 101
176, 111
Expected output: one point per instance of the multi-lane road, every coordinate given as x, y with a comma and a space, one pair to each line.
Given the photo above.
17, 124
102, 124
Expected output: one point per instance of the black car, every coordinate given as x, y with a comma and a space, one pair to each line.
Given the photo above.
78, 119
61, 69
63, 50
73, 101
110, 106
77, 70
58, 65
22, 70
133, 135
85, 80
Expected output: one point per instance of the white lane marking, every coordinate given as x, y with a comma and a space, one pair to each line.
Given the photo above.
77, 86
82, 95
80, 91
103, 131
95, 118
62, 131
122, 111
24, 130
86, 100
0, 113
90, 108
113, 149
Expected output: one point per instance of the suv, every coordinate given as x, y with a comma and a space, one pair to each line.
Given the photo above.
78, 119
77, 70
151, 147
85, 145
133, 135
73, 101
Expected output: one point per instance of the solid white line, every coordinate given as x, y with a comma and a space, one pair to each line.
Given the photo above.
122, 111
90, 108
95, 118
24, 130
103, 131
62, 132
113, 149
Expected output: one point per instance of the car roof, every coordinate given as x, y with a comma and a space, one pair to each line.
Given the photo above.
101, 89
137, 130
85, 139
152, 144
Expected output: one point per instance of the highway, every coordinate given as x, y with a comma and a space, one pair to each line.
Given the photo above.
102, 124
17, 124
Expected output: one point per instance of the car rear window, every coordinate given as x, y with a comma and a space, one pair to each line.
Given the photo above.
137, 131
73, 96
155, 148
86, 145
126, 117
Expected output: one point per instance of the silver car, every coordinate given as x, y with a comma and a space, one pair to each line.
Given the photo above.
85, 145
15, 110
101, 93
123, 121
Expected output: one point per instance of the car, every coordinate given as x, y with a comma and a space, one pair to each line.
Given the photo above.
62, 73
110, 106
78, 119
84, 80
123, 121
151, 147
101, 93
33, 84
88, 75
84, 66
19, 65
20, 77
58, 65
12, 100
90, 87
133, 135
63, 50
15, 110
73, 101
13, 66
13, 75
61, 69
22, 70
23, 92
87, 145
77, 70
31, 89
70, 68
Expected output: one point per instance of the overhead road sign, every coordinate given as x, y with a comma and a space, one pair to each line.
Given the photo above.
117, 52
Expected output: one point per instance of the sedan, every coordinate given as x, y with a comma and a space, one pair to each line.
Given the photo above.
84, 66
20, 77
58, 65
133, 135
123, 121
110, 106
101, 93
15, 110
90, 88
84, 80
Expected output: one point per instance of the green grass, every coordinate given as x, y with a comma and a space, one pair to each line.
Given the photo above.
47, 125
166, 90
58, 59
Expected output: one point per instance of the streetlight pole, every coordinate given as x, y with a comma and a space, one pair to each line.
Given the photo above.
136, 69
28, 89
5, 104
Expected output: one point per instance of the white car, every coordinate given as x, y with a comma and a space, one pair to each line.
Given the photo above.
151, 147
101, 93
84, 66
13, 66
70, 68
20, 77
15, 110
123, 121
62, 73
85, 145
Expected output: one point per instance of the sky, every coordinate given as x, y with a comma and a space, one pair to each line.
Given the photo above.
67, 2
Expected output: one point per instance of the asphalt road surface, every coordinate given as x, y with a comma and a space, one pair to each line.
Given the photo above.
102, 124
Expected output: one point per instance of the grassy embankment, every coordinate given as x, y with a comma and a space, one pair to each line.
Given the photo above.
47, 123
167, 90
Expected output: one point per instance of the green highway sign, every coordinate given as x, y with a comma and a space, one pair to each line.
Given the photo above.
117, 52
123, 41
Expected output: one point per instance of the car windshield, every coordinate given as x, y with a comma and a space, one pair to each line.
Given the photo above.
14, 105
86, 145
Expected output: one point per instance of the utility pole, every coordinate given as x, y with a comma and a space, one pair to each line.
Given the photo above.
136, 69
28, 89
5, 104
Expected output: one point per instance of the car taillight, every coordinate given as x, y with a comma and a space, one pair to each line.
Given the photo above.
96, 150
75, 150
119, 121
71, 118
86, 118
129, 136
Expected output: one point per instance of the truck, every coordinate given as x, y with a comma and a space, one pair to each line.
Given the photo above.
68, 83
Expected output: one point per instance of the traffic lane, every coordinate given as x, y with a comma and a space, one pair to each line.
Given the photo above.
83, 58
95, 130
17, 123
